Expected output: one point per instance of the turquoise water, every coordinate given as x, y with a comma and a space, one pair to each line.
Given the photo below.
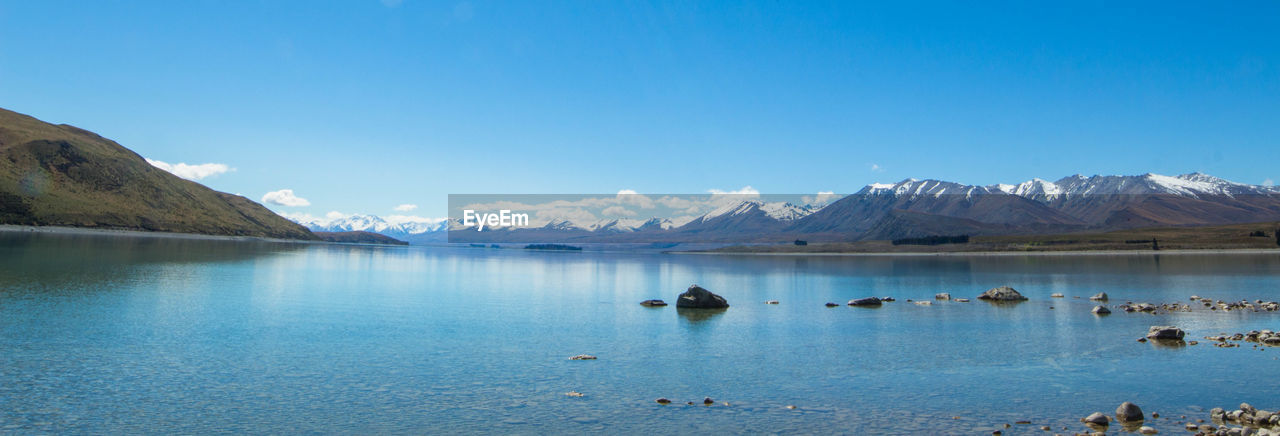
147, 335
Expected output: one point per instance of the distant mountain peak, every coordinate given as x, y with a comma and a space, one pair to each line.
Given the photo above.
1194, 185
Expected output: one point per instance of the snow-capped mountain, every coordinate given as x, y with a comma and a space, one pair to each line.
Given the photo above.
390, 226
910, 208
914, 187
782, 211
1194, 185
1071, 203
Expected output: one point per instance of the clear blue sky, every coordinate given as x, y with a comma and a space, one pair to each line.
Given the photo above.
361, 106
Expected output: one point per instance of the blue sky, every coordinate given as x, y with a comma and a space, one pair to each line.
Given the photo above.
363, 106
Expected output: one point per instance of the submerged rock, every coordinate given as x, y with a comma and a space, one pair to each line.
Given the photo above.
830, 304
653, 303
583, 357
869, 301
698, 298
771, 302
1129, 412
1003, 293
1164, 332
961, 300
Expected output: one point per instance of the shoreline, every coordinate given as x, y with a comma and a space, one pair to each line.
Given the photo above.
1210, 251
63, 230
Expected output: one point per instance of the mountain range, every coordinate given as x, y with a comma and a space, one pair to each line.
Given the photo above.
60, 175
917, 208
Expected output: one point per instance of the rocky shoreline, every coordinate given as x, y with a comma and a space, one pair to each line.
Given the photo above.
1128, 417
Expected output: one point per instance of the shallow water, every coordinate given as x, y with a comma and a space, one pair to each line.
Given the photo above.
113, 334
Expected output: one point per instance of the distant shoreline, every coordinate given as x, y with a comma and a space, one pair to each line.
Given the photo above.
62, 230
1214, 251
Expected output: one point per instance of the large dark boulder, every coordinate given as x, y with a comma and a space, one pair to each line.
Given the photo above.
1166, 332
698, 298
1003, 293
1129, 412
868, 301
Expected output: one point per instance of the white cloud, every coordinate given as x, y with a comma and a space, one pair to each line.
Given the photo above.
301, 217
631, 197
821, 199
876, 168
406, 219
575, 215
285, 197
405, 207
191, 172
618, 211
1268, 182
745, 191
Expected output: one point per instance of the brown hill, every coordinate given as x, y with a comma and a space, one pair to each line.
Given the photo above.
60, 175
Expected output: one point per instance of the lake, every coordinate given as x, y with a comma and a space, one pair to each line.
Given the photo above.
117, 334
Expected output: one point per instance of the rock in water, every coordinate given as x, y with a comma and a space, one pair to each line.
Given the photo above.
663, 401
869, 301
1101, 310
830, 304
1147, 430
1097, 418
1102, 296
1129, 412
942, 296
698, 298
1164, 332
653, 303
1003, 293
1056, 295
583, 357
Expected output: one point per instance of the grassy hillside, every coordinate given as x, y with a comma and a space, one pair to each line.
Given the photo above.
59, 175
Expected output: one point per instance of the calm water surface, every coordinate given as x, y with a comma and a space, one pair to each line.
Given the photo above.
148, 335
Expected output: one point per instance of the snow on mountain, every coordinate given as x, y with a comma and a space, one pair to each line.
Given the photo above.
391, 225
782, 211
1187, 185
914, 187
